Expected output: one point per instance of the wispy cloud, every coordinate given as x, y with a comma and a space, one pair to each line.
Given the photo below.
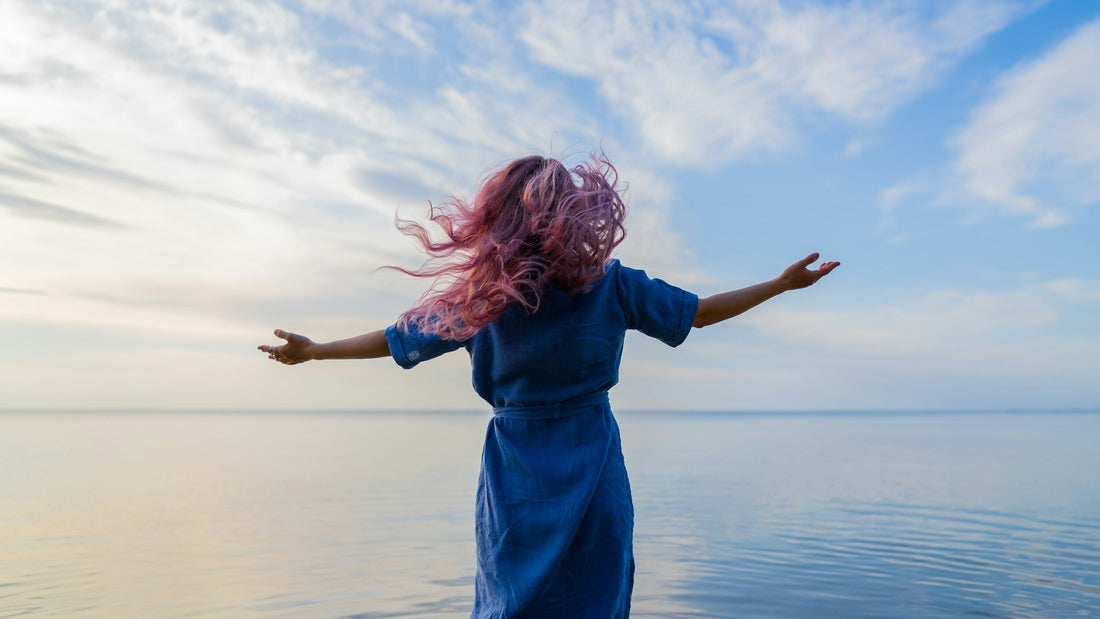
948, 348
704, 82
36, 209
1033, 148
952, 325
177, 178
187, 176
222, 151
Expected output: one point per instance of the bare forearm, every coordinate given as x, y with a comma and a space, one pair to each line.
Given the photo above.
729, 304
367, 346
726, 305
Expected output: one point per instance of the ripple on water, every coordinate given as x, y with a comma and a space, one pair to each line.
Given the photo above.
897, 560
343, 515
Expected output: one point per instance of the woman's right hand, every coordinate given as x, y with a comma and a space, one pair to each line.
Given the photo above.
298, 348
799, 276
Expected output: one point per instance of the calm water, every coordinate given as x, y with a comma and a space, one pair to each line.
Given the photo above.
370, 515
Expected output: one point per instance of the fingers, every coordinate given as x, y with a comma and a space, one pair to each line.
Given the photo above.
824, 269
272, 352
289, 353
808, 260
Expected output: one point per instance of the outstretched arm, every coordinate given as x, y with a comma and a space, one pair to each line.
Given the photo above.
726, 305
299, 348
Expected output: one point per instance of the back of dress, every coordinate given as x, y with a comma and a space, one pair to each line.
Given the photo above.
554, 513
569, 348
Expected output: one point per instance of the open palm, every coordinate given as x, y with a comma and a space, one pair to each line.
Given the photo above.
799, 276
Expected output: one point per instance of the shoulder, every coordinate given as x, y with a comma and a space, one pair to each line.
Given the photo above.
612, 276
624, 276
618, 269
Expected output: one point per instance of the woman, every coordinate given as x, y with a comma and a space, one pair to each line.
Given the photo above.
525, 283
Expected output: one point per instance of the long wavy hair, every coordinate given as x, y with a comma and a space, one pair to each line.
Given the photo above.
532, 223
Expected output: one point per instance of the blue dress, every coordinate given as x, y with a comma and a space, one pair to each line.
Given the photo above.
554, 518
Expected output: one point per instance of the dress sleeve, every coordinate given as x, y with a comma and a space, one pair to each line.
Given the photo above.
654, 307
409, 347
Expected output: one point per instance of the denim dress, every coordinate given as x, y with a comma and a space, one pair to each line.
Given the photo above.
554, 519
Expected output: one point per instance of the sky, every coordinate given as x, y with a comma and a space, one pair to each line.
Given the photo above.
179, 178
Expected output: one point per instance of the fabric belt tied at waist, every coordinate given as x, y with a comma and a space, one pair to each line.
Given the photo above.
556, 410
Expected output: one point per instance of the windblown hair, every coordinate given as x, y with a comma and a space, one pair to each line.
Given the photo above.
532, 224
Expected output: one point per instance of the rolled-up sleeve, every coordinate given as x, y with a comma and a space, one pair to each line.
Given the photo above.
408, 347
655, 307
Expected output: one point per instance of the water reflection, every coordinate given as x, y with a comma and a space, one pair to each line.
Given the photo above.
902, 516
212, 515
330, 515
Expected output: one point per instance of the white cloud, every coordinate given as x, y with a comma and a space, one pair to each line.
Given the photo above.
208, 148
1033, 148
179, 178
895, 196
1073, 289
404, 25
1011, 347
854, 148
204, 172
707, 81
950, 325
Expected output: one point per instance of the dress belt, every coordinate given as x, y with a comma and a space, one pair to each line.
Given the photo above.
567, 408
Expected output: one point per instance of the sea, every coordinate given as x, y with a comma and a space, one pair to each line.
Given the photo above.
370, 515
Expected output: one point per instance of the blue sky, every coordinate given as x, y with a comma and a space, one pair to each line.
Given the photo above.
179, 178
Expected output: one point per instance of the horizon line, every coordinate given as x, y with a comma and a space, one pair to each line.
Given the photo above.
488, 411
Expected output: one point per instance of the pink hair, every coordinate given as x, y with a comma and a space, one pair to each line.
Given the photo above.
530, 225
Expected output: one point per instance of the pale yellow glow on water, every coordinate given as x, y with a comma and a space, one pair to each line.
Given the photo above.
216, 514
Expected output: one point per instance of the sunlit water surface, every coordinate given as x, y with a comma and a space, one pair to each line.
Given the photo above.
370, 515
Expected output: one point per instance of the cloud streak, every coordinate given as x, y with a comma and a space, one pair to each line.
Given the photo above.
35, 209
951, 327
1033, 148
706, 82
220, 152
178, 178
